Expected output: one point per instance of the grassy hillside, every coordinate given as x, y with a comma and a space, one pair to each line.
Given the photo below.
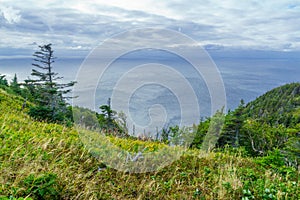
48, 161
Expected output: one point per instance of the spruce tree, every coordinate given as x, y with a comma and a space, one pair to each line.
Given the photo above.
107, 117
15, 86
232, 127
45, 88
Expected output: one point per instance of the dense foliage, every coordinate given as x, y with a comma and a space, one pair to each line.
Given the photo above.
41, 160
252, 152
270, 122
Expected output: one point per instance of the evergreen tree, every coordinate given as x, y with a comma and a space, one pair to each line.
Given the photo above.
110, 121
107, 117
3, 81
15, 86
201, 130
233, 123
214, 131
45, 88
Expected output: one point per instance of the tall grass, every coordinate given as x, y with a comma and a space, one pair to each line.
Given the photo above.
49, 161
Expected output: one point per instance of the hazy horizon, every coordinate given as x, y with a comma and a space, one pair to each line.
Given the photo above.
246, 74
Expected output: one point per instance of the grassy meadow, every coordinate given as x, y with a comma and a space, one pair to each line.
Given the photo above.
48, 161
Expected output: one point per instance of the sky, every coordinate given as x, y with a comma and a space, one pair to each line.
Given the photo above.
254, 43
79, 26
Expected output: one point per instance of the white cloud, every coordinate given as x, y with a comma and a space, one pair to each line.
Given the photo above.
248, 24
10, 14
147, 6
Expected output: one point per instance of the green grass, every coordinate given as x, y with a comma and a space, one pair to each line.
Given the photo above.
49, 161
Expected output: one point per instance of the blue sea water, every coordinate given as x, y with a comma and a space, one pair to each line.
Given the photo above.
246, 75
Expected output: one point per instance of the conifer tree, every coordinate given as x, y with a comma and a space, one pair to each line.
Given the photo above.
3, 81
214, 131
15, 86
233, 124
49, 93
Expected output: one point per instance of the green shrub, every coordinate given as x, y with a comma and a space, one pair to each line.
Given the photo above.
276, 161
42, 187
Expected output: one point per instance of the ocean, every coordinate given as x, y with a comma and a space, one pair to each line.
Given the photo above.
165, 94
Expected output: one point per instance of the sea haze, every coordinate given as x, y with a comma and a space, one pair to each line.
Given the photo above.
246, 74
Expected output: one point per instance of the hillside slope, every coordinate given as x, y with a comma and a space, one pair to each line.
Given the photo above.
270, 122
48, 161
278, 106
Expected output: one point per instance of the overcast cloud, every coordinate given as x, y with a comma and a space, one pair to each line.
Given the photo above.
82, 25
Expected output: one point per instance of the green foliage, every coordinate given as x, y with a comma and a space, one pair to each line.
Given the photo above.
3, 82
40, 160
292, 149
165, 136
232, 127
107, 117
276, 106
271, 122
15, 86
247, 195
42, 187
201, 130
214, 131
112, 123
85, 118
261, 137
45, 90
46, 113
276, 161
41, 112
12, 198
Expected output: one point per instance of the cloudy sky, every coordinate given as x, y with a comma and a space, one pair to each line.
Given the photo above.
77, 26
221, 26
